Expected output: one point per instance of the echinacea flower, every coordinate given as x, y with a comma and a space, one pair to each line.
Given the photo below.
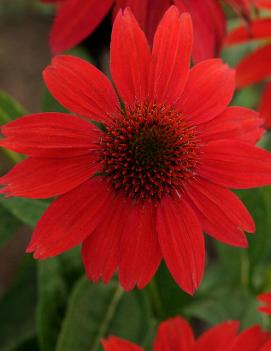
266, 299
77, 19
139, 179
255, 67
176, 334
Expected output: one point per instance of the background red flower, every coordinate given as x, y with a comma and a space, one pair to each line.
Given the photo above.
77, 19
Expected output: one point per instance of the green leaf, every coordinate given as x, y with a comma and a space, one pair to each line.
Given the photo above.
96, 311
9, 108
27, 211
17, 306
226, 303
9, 225
56, 277
51, 302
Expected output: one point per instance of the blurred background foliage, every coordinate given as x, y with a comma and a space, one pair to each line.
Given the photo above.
49, 305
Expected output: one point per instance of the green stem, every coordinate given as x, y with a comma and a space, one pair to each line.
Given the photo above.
244, 269
265, 321
155, 298
119, 292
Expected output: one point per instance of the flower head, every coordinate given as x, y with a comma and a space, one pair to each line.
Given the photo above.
77, 19
177, 334
152, 172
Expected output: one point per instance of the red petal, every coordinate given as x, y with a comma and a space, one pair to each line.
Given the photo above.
250, 340
116, 344
209, 27
265, 4
171, 54
147, 15
234, 123
221, 213
266, 298
101, 250
174, 334
266, 347
139, 247
254, 68
70, 219
182, 242
50, 135
258, 29
265, 106
235, 164
217, 337
130, 58
42, 178
209, 90
75, 21
81, 87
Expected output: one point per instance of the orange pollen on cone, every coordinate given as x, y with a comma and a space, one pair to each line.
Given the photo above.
149, 151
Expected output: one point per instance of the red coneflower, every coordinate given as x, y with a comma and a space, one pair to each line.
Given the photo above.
76, 19
176, 334
255, 67
151, 174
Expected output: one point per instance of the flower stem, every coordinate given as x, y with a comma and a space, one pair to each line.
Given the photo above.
244, 269
155, 298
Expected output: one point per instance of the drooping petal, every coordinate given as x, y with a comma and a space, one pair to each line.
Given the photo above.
139, 247
42, 178
71, 218
221, 213
101, 250
130, 58
174, 334
171, 54
182, 242
81, 87
257, 29
208, 91
217, 337
50, 135
116, 344
234, 123
209, 27
147, 15
235, 164
254, 67
265, 106
76, 20
250, 340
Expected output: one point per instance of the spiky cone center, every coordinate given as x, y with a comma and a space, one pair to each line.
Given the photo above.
149, 151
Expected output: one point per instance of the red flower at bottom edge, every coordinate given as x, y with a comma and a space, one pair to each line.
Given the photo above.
176, 334
155, 174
